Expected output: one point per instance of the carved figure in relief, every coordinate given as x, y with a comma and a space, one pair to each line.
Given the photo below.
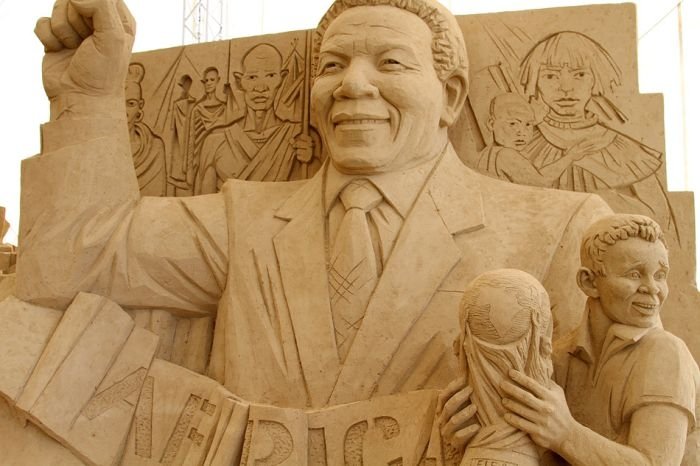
568, 72
631, 387
180, 155
147, 149
512, 121
208, 113
505, 324
259, 146
390, 80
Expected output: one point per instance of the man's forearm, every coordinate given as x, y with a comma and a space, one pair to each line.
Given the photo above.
585, 447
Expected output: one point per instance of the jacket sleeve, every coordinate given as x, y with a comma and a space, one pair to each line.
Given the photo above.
84, 227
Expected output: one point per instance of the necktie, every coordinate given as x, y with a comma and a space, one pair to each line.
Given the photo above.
352, 271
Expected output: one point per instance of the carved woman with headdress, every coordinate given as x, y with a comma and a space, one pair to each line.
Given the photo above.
147, 149
506, 324
570, 74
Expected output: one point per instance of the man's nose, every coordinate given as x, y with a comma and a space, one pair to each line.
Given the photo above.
356, 83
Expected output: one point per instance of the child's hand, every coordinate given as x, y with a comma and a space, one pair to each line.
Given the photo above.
537, 410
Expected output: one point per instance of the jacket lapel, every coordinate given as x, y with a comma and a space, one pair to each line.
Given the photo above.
424, 254
302, 262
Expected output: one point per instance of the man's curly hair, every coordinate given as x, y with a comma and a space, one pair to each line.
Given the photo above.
609, 230
449, 50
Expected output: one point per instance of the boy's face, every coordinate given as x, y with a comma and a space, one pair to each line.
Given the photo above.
513, 127
635, 287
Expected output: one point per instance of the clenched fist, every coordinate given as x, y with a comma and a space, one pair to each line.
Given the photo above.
88, 47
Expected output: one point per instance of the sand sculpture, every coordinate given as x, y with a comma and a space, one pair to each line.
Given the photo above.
313, 321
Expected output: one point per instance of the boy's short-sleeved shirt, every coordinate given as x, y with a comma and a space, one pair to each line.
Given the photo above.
637, 367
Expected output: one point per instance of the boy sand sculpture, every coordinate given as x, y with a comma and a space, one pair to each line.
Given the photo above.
631, 387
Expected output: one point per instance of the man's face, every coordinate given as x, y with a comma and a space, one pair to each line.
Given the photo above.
211, 79
513, 127
185, 86
635, 287
566, 90
132, 110
260, 81
377, 99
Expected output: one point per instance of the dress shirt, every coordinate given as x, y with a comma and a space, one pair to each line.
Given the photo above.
399, 189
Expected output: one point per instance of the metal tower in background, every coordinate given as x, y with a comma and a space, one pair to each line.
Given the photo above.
202, 21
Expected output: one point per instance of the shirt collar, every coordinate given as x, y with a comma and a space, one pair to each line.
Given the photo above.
400, 189
621, 334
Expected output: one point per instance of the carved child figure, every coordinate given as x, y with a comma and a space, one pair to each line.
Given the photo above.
506, 324
512, 121
630, 385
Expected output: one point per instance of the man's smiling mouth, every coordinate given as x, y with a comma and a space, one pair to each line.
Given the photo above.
362, 121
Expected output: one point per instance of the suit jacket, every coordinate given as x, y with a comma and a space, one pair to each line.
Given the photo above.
256, 252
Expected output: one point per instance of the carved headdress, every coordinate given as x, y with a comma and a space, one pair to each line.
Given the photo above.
132, 87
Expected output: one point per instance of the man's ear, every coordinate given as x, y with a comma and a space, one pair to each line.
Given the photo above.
586, 280
237, 77
284, 73
455, 94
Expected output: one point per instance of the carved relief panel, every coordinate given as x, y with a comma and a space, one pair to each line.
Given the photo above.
554, 102
233, 109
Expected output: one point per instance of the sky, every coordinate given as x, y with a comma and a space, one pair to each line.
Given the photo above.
661, 59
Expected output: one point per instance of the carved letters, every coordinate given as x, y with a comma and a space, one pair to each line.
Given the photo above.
143, 421
104, 400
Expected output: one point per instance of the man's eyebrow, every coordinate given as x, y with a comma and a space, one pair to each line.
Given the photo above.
389, 28
333, 50
335, 42
386, 47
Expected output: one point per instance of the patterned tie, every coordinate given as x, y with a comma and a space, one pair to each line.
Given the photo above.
352, 274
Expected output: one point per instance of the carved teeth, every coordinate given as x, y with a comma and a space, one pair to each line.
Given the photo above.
646, 308
361, 122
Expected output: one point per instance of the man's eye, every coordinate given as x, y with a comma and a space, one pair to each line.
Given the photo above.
660, 275
391, 64
549, 76
634, 274
331, 67
580, 74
